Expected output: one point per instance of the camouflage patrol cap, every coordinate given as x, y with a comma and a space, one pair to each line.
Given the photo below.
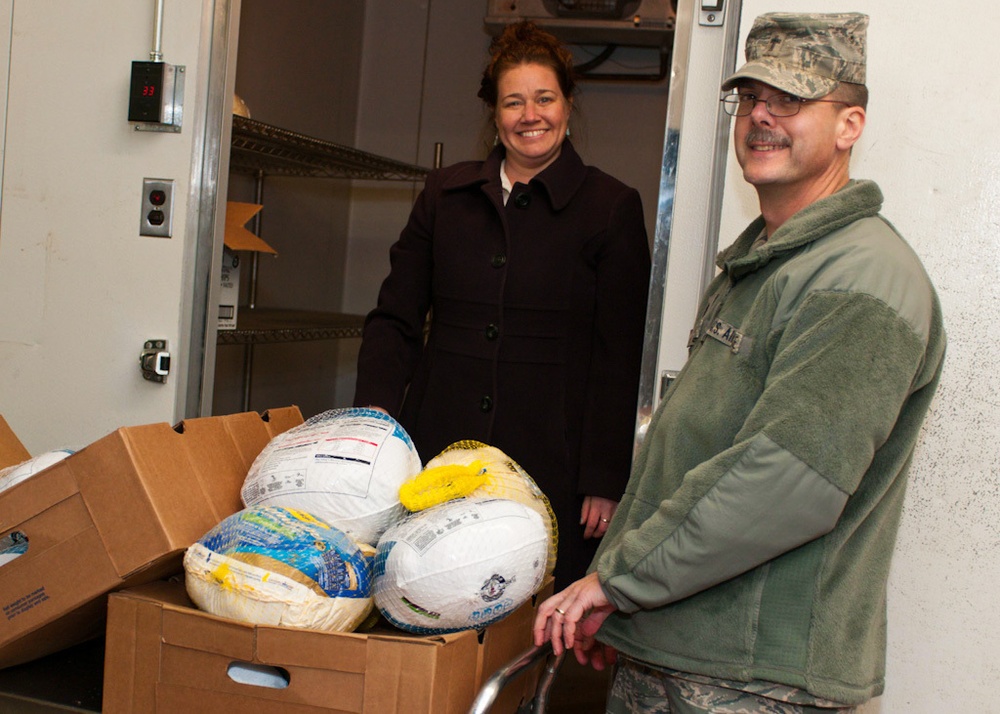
805, 54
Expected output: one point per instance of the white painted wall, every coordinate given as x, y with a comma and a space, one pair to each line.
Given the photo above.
932, 145
80, 290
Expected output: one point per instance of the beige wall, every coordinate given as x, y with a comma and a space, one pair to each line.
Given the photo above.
80, 290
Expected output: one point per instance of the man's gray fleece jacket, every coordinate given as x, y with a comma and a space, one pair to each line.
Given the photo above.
755, 534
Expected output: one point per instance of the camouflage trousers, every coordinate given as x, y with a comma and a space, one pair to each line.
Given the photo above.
640, 689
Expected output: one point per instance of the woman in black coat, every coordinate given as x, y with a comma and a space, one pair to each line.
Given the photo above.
534, 268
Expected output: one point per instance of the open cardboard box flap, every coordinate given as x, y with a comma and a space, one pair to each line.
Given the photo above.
117, 513
12, 451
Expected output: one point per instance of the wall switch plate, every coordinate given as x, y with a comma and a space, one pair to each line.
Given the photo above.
157, 218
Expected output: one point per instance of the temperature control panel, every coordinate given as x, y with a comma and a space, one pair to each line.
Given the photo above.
156, 96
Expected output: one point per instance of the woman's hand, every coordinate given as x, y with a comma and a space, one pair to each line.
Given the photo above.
596, 514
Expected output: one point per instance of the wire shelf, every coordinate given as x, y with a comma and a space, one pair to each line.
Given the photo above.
262, 148
269, 326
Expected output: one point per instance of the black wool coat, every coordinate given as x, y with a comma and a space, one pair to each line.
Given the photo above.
537, 316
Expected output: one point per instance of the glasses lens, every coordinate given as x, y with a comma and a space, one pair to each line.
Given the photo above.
783, 105
736, 105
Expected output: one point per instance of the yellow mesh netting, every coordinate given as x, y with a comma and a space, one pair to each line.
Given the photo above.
437, 484
474, 469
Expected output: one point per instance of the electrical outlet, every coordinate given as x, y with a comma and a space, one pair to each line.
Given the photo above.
157, 218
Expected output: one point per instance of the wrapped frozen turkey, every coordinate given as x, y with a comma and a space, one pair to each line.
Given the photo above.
24, 470
277, 566
460, 565
344, 466
472, 469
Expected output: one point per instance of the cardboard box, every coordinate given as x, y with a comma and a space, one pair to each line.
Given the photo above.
236, 238
163, 655
117, 513
12, 451
229, 290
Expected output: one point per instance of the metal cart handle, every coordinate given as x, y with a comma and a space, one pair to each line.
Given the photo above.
503, 676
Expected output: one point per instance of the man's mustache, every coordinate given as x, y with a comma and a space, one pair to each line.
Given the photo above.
758, 135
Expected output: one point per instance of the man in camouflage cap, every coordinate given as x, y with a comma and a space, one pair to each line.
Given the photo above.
745, 569
805, 55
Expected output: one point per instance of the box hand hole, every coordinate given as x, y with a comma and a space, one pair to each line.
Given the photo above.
258, 675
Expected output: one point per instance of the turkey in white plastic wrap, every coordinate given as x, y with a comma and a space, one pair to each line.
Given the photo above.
344, 466
472, 469
16, 473
463, 564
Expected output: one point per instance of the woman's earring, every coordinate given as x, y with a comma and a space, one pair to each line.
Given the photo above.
567, 131
496, 139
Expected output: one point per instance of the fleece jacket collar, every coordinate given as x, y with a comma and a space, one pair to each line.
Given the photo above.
857, 199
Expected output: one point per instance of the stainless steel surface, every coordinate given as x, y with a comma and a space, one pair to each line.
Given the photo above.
206, 220
664, 216
684, 69
156, 54
722, 126
506, 674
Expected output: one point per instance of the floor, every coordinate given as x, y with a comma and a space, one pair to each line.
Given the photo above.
67, 681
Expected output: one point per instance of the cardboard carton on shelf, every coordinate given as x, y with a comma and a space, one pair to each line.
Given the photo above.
117, 513
236, 238
163, 655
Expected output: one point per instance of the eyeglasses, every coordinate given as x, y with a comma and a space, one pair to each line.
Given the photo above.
777, 105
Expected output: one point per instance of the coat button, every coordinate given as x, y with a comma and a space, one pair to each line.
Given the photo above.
499, 260
492, 332
522, 200
486, 403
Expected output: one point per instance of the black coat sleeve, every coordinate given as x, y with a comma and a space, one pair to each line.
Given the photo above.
393, 335
619, 325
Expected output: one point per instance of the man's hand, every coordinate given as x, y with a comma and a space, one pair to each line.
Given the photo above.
571, 618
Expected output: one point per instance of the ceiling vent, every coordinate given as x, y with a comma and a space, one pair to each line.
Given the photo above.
630, 23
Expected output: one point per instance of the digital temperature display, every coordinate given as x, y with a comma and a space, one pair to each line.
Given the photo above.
146, 90
156, 96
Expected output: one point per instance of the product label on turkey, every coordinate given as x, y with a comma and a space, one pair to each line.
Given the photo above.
426, 531
335, 457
